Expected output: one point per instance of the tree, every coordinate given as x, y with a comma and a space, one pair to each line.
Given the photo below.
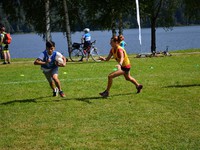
192, 10
160, 13
48, 23
98, 14
11, 15
67, 26
107, 14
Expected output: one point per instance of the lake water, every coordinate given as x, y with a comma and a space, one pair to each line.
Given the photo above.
31, 45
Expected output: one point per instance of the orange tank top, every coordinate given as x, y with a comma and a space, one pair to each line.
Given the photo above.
126, 62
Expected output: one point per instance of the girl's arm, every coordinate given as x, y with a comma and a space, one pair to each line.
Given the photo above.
107, 58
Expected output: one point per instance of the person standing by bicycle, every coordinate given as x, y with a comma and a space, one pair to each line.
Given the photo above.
86, 41
123, 63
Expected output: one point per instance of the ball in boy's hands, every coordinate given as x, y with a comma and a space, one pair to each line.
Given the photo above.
59, 61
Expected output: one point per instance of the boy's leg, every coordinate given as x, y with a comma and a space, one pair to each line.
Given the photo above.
88, 52
57, 81
51, 82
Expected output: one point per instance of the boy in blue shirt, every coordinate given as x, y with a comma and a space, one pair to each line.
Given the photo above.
49, 66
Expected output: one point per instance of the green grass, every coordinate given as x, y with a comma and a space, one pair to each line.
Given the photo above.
186, 51
166, 115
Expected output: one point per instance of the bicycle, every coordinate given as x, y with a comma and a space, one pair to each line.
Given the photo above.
77, 52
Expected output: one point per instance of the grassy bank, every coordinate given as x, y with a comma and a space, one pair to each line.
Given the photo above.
166, 115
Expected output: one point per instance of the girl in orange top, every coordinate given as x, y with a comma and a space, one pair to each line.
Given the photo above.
123, 66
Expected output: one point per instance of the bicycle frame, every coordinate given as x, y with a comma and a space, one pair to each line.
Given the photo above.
77, 53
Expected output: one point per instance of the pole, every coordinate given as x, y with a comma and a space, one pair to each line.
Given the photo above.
138, 21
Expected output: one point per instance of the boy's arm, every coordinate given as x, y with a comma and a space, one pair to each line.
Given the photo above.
40, 62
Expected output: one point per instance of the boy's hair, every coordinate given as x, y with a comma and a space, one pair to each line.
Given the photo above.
50, 44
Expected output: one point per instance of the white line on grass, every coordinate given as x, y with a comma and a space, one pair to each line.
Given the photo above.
39, 81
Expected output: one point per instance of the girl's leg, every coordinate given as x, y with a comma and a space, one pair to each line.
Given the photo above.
110, 79
111, 76
5, 57
8, 56
128, 77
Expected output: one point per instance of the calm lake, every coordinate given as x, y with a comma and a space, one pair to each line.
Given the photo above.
31, 45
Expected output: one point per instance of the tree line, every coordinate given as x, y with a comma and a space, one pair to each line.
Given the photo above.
67, 16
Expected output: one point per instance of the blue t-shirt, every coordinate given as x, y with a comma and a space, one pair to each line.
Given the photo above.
44, 56
87, 40
87, 37
123, 44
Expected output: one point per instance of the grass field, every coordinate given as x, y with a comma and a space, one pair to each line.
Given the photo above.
165, 115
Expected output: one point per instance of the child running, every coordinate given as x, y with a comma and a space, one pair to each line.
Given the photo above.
49, 65
123, 66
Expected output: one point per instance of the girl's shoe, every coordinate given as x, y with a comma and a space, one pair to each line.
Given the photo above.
139, 88
104, 94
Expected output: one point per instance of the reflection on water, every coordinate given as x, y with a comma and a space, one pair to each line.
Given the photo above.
31, 45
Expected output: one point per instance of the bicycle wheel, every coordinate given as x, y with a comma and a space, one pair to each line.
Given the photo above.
95, 54
76, 55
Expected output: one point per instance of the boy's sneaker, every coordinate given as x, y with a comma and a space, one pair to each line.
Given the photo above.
139, 88
104, 94
62, 94
55, 92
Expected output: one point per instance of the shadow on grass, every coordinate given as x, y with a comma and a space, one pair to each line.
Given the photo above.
182, 86
122, 94
110, 96
31, 100
35, 100
88, 99
84, 99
